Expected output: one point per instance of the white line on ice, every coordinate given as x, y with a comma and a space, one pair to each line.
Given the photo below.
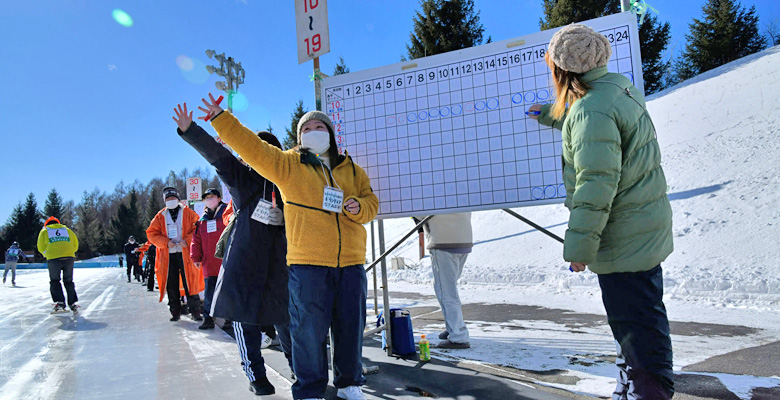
19, 382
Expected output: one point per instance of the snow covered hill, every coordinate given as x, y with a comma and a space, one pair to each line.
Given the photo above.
720, 141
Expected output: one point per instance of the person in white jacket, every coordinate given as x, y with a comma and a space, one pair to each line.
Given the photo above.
450, 240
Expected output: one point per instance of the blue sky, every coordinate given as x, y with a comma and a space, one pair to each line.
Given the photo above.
88, 102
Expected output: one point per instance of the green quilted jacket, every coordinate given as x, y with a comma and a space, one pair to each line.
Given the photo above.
621, 219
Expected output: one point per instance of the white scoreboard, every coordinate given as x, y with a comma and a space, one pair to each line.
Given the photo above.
448, 133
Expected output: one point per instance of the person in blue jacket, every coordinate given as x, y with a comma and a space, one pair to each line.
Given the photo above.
252, 283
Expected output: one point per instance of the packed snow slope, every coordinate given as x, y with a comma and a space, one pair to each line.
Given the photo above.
720, 141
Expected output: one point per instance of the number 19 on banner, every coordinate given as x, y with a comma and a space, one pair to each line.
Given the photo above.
311, 23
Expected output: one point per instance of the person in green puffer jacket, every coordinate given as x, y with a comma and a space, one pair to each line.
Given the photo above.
620, 223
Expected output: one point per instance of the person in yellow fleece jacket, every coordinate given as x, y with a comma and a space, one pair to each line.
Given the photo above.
327, 200
59, 245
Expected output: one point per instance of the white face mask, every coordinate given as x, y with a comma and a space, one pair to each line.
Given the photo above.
212, 203
318, 142
132, 241
171, 204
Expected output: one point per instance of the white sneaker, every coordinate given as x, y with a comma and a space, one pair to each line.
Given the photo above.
351, 393
265, 342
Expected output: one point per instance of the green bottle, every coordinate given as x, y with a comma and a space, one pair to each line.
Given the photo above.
425, 349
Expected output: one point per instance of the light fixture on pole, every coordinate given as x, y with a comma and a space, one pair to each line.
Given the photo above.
230, 70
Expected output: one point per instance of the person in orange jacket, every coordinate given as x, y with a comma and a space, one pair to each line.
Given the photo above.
171, 232
227, 213
151, 252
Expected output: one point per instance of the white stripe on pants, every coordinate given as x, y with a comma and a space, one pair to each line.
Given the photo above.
239, 332
447, 268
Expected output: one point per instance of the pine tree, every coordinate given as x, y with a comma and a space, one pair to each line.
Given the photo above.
53, 206
120, 226
12, 229
127, 222
88, 226
564, 12
28, 224
340, 68
442, 26
135, 218
291, 139
726, 33
153, 206
654, 36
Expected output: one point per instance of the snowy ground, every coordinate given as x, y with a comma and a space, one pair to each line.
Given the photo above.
120, 346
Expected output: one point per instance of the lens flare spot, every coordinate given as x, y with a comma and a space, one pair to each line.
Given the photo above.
185, 63
240, 102
197, 72
122, 18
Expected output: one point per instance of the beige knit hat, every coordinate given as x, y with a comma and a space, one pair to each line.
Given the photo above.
578, 48
318, 115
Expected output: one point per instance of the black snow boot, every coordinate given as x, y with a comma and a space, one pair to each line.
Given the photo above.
208, 323
175, 316
196, 316
262, 387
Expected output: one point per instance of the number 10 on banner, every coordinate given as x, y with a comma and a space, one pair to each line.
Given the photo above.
311, 25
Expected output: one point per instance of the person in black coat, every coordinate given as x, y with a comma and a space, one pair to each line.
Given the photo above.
252, 284
132, 258
151, 255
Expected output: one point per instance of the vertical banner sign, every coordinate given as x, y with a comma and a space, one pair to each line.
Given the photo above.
194, 189
311, 24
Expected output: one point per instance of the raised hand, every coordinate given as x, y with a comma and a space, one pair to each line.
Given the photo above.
211, 109
185, 118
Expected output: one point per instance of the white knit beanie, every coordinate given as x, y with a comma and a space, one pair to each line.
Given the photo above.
578, 48
318, 115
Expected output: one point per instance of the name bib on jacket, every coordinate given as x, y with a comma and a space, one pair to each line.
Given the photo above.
173, 231
211, 226
262, 212
58, 235
333, 199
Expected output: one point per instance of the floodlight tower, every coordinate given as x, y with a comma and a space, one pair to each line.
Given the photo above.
231, 71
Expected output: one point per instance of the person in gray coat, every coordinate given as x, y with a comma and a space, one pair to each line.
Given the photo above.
450, 240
